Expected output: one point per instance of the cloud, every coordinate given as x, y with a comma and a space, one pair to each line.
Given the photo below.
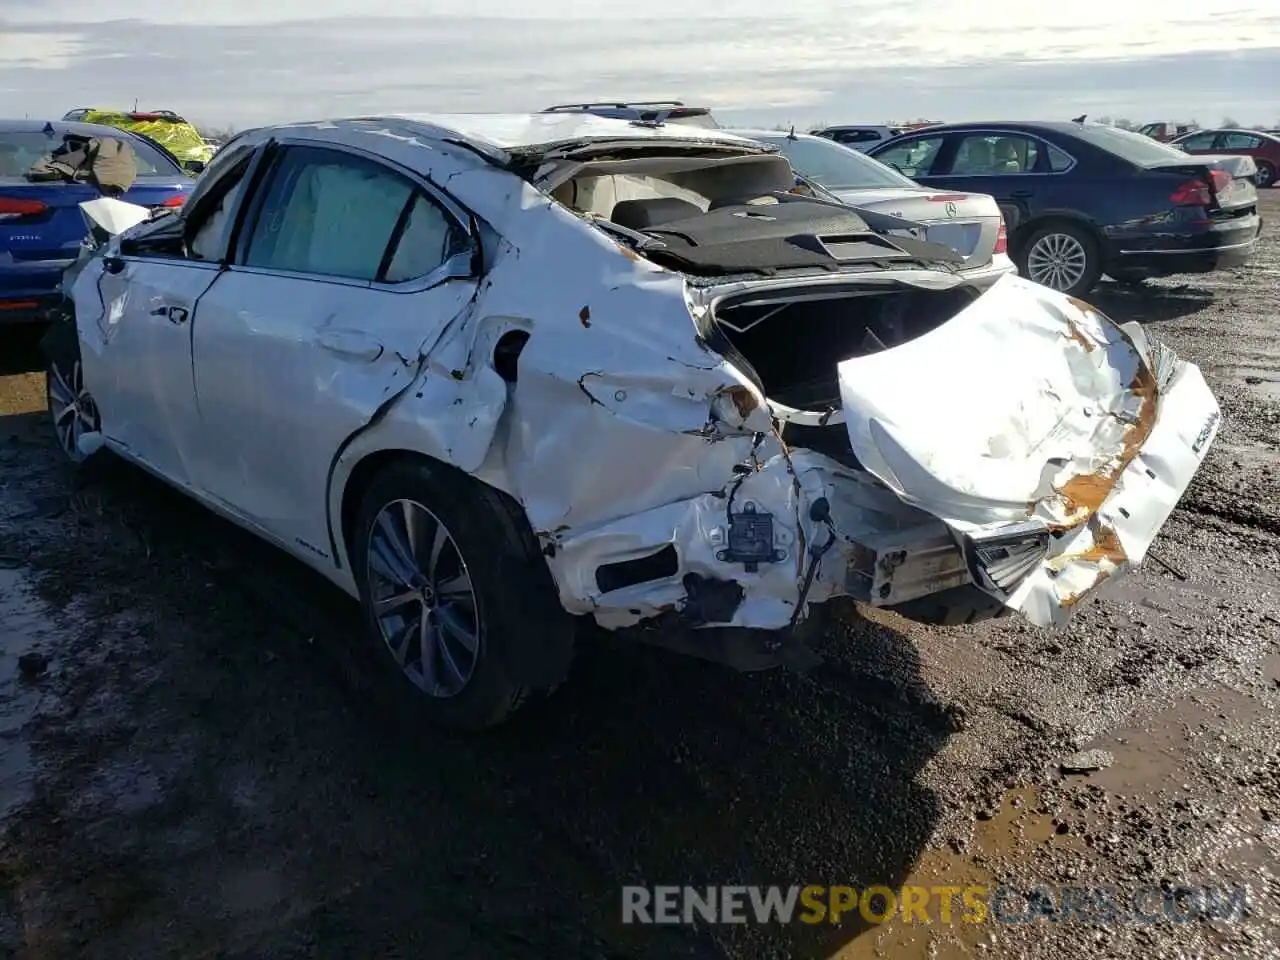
242, 62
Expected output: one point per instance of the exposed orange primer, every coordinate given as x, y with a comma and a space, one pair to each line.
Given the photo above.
1072, 599
743, 399
1076, 334
1106, 546
1085, 493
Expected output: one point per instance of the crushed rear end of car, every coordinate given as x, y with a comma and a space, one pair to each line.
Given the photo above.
866, 424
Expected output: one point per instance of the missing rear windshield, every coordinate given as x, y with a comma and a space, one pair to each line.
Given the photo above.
22, 151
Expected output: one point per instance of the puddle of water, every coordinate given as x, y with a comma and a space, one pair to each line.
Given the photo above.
1152, 758
1013, 831
1262, 380
1167, 763
23, 622
1159, 763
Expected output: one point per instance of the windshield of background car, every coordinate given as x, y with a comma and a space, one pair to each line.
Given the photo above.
20, 150
834, 166
1139, 150
699, 119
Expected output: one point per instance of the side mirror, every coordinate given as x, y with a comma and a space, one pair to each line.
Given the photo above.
195, 166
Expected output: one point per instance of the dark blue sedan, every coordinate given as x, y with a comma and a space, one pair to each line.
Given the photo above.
40, 223
1081, 199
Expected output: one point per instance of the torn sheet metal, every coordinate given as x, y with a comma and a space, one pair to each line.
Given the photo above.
785, 488
1030, 408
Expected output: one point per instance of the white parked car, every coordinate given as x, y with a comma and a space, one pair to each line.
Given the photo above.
970, 223
490, 374
859, 136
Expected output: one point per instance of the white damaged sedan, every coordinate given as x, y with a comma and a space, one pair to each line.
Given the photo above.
490, 374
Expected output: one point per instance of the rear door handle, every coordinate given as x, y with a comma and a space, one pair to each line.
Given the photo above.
1021, 194
350, 344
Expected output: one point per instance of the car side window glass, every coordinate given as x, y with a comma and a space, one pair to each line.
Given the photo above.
211, 233
329, 213
1240, 141
430, 237
995, 155
1058, 161
913, 158
1198, 141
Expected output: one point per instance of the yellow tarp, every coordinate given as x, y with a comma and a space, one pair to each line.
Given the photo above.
178, 137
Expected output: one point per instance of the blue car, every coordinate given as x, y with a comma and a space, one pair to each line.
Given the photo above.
40, 223
1082, 199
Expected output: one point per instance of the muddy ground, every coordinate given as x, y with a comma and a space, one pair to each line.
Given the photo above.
193, 762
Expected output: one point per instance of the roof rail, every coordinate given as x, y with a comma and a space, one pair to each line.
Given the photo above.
620, 104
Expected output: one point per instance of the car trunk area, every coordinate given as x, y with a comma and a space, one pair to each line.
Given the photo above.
792, 340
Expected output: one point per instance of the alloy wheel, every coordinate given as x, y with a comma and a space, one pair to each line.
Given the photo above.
1265, 176
423, 600
1058, 261
72, 408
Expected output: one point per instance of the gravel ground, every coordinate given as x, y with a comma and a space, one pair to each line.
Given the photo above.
194, 763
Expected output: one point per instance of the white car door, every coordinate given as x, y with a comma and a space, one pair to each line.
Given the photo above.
347, 270
138, 353
141, 367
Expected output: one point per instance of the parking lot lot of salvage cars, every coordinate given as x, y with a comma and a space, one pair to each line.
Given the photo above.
195, 762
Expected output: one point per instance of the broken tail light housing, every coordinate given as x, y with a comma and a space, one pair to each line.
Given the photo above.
15, 208
1000, 560
1002, 238
1192, 193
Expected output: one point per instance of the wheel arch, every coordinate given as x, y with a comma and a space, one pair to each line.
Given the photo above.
357, 482
374, 462
1018, 238
541, 663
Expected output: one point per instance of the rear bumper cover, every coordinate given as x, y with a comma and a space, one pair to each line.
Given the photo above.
1222, 246
991, 273
20, 308
29, 289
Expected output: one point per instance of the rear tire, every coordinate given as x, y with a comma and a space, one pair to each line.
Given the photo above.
456, 596
1266, 175
1061, 256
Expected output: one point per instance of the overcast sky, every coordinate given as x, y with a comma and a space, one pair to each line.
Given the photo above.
244, 62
